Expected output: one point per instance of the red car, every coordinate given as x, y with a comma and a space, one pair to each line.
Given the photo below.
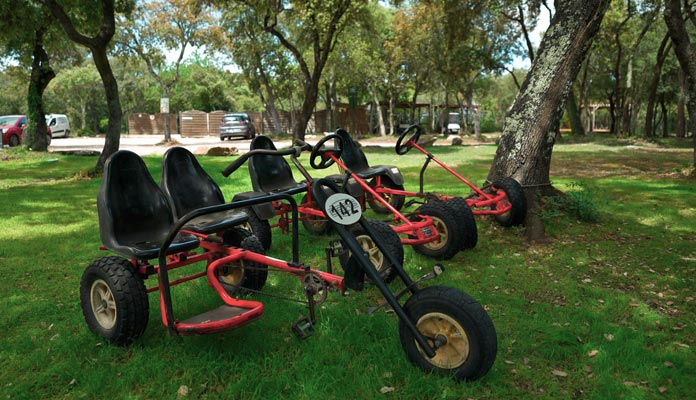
11, 127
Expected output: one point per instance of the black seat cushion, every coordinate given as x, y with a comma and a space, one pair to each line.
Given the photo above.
271, 173
188, 187
354, 158
134, 214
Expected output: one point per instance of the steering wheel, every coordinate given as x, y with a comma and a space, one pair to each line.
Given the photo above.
323, 154
402, 147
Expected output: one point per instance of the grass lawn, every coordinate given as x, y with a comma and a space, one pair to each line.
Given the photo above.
606, 310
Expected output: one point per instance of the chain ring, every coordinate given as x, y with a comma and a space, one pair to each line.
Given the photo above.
316, 285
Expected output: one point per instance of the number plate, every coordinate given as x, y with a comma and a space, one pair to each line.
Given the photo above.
343, 209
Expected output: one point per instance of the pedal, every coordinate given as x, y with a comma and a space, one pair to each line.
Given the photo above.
303, 328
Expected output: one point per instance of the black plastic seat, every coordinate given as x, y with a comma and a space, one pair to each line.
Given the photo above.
354, 158
189, 187
134, 214
271, 173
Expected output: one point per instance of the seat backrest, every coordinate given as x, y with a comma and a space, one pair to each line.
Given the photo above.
186, 183
352, 155
132, 208
269, 172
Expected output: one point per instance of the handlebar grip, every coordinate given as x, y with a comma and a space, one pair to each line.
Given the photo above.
235, 165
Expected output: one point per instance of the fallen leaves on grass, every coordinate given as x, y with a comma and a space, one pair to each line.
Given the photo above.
559, 373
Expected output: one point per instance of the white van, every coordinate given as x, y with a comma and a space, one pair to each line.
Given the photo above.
60, 127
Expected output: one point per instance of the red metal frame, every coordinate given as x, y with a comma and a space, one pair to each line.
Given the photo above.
212, 250
423, 230
479, 202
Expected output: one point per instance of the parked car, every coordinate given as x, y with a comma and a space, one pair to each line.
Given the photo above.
59, 125
236, 125
12, 128
453, 126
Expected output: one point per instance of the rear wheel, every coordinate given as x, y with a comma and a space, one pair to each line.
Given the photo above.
388, 238
242, 274
314, 224
114, 301
461, 329
462, 209
515, 197
450, 227
395, 200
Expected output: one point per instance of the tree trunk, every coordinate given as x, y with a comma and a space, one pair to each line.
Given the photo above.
380, 115
530, 128
652, 88
574, 115
98, 46
41, 75
681, 118
687, 59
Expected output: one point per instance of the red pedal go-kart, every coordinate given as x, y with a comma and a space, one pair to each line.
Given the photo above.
437, 229
503, 199
441, 328
270, 173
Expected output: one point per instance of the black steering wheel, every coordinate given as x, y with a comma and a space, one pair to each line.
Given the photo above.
402, 147
323, 154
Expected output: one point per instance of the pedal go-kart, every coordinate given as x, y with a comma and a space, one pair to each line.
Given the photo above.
441, 329
270, 173
437, 229
503, 199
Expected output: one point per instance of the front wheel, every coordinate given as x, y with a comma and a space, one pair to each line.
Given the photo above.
242, 274
449, 226
388, 238
260, 228
314, 224
464, 333
114, 301
395, 200
515, 197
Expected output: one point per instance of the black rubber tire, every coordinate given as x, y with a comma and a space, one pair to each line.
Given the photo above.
67, 133
388, 238
243, 274
452, 314
515, 196
114, 300
14, 141
462, 209
315, 225
396, 201
449, 225
260, 228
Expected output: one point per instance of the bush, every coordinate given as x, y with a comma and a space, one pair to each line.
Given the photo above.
579, 202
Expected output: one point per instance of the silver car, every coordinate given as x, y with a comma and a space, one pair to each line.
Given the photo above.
237, 125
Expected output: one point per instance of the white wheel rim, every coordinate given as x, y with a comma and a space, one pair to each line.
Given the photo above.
456, 351
103, 304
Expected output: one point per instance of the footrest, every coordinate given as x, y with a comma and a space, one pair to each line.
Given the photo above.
220, 319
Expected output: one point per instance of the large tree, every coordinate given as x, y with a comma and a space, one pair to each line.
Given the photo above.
27, 43
531, 126
309, 30
98, 44
157, 27
686, 54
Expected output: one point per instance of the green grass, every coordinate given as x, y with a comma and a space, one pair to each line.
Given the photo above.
609, 304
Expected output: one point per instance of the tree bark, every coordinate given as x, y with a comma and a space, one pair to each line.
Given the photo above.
662, 52
686, 56
531, 125
41, 75
681, 118
574, 115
